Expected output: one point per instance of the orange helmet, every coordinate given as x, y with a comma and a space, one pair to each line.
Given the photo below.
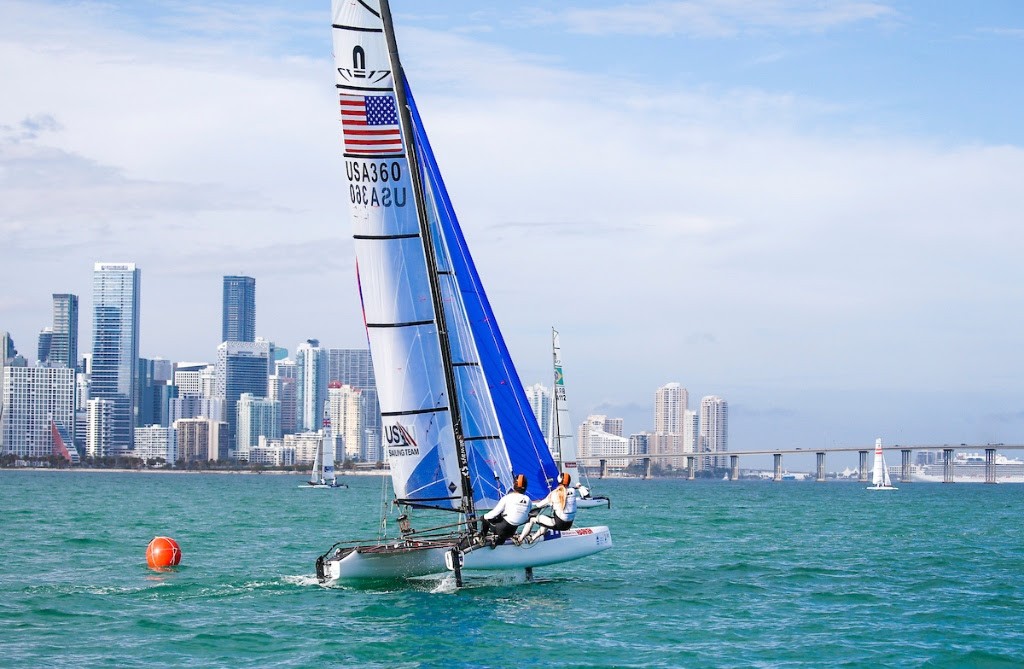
564, 479
519, 483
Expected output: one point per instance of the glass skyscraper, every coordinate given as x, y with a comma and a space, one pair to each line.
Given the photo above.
238, 322
242, 367
64, 344
115, 346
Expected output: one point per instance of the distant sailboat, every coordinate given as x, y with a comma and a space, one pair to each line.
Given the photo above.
565, 441
880, 475
323, 474
456, 423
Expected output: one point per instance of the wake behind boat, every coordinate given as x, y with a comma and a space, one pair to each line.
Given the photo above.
456, 422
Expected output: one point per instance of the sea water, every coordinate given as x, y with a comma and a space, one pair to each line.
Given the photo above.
702, 574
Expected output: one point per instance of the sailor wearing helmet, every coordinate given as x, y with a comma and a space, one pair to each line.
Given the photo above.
508, 514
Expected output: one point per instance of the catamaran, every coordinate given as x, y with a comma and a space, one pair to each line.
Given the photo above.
880, 475
565, 441
456, 422
323, 474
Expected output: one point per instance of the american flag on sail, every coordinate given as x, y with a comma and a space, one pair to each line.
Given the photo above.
370, 124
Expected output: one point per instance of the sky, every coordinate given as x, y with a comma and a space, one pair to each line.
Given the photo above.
810, 209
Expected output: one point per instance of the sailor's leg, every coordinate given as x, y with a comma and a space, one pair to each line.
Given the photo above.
543, 524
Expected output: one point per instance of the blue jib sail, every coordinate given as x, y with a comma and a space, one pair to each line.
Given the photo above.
520, 432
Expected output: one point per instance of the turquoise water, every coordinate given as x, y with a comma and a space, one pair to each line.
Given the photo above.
703, 574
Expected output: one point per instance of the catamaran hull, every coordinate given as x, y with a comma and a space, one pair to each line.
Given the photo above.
593, 502
403, 561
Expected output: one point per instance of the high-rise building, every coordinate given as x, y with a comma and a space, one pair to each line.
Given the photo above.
193, 405
239, 313
156, 442
691, 430
64, 346
30, 399
714, 430
594, 441
201, 439
304, 444
311, 367
242, 367
670, 401
354, 367
257, 417
539, 397
282, 388
155, 391
188, 376
99, 418
115, 346
639, 443
7, 349
43, 349
667, 443
345, 409
81, 410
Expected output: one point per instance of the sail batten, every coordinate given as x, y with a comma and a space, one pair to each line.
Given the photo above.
408, 324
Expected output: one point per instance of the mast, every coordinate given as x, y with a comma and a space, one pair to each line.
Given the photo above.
431, 255
557, 432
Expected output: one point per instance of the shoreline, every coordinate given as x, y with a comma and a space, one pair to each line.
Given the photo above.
98, 470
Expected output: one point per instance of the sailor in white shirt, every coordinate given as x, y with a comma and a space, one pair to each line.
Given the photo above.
508, 514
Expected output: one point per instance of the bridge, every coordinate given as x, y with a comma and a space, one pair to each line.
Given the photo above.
862, 474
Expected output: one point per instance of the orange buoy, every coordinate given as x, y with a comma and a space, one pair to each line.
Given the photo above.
163, 552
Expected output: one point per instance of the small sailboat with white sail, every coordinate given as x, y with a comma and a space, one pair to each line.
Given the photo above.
564, 440
456, 423
880, 474
323, 474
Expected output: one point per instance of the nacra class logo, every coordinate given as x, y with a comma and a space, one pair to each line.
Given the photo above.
400, 441
359, 69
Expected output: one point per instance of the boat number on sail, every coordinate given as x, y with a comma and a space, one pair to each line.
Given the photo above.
370, 183
400, 440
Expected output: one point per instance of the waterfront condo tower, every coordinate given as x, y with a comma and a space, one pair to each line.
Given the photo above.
115, 346
671, 402
310, 385
239, 317
35, 403
714, 431
354, 367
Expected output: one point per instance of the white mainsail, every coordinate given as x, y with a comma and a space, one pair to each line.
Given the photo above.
565, 441
397, 254
329, 449
316, 474
880, 473
456, 422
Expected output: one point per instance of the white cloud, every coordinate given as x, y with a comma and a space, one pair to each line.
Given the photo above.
702, 236
723, 18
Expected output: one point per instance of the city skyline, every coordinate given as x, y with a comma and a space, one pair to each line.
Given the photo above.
776, 218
